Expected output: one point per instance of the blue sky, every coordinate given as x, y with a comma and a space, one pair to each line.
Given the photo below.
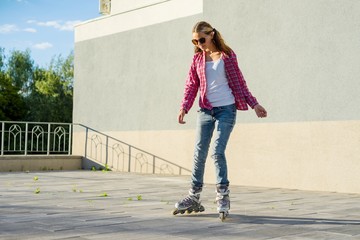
43, 26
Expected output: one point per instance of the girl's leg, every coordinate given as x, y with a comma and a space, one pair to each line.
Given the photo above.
225, 121
204, 131
205, 128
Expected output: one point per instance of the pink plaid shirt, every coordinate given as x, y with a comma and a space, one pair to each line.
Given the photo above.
197, 78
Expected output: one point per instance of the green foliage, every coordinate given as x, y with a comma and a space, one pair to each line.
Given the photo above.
52, 92
20, 69
33, 93
106, 169
12, 104
104, 194
2, 58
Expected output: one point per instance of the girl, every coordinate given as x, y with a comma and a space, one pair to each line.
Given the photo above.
215, 71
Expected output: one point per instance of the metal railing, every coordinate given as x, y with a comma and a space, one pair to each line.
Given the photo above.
122, 156
35, 138
42, 138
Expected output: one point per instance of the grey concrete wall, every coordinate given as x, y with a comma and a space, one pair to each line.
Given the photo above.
133, 80
301, 58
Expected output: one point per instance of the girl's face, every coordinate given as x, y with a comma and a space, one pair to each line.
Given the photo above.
202, 41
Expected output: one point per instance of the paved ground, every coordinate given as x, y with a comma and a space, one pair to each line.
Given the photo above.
73, 205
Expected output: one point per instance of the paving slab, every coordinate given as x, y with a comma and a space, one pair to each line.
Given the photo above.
114, 205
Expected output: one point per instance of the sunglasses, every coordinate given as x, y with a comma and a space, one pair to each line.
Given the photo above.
201, 41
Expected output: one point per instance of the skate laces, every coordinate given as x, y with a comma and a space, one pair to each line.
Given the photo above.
193, 196
222, 195
222, 192
189, 200
222, 199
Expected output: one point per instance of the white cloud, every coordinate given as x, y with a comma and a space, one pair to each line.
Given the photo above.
32, 30
11, 28
54, 24
43, 45
8, 28
69, 25
23, 1
60, 25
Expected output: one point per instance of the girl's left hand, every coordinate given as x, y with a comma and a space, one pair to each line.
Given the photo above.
260, 111
181, 116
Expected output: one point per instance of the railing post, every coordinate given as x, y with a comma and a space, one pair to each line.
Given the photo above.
26, 137
129, 169
153, 164
86, 139
2, 137
48, 140
106, 150
70, 138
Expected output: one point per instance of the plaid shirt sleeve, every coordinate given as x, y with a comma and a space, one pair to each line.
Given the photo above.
237, 83
191, 87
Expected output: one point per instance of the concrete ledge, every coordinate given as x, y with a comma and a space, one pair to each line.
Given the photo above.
39, 163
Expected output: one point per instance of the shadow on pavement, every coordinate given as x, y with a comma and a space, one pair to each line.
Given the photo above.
238, 218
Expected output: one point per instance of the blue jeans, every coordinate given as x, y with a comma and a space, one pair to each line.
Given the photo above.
222, 120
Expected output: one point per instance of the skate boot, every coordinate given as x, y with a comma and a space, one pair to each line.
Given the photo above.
223, 201
189, 204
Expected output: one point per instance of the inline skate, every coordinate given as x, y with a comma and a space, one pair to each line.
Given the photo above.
190, 203
223, 201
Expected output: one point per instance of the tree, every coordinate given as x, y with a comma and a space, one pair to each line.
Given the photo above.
33, 93
2, 59
20, 69
52, 91
12, 105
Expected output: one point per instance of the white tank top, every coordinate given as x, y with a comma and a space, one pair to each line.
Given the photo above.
218, 91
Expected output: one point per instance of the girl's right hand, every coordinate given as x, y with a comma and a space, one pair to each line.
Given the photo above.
260, 111
181, 116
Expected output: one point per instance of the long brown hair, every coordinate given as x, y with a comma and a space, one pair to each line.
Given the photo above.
218, 41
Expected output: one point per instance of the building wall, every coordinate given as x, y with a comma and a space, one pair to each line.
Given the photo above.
121, 6
300, 59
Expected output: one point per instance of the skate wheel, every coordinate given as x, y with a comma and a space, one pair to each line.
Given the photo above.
175, 211
201, 209
182, 212
222, 216
188, 211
